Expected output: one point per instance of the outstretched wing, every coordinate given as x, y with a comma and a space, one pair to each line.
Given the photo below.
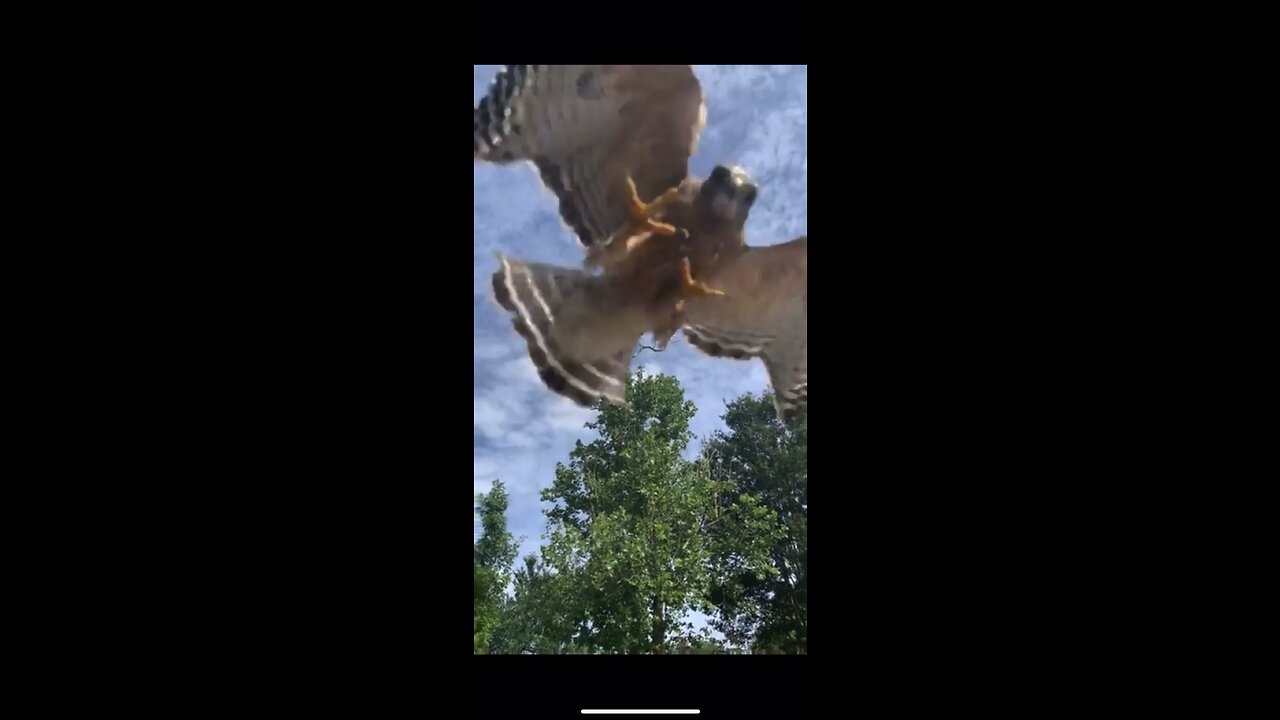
585, 127
764, 314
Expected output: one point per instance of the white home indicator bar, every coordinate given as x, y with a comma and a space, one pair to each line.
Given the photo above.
641, 712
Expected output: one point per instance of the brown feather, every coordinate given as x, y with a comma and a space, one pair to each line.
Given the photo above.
586, 127
763, 314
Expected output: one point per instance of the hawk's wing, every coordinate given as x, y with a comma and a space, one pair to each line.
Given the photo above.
585, 127
764, 314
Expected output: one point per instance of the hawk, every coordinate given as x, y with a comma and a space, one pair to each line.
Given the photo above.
613, 143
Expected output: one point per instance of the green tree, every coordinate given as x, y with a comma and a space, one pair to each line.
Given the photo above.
533, 619
630, 539
767, 460
492, 556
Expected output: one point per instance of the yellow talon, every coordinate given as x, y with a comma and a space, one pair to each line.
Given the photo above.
695, 288
642, 221
689, 288
639, 228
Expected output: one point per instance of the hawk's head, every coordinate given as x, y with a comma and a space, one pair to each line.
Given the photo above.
729, 193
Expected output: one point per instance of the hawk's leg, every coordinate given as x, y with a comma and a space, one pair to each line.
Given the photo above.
687, 288
694, 288
663, 334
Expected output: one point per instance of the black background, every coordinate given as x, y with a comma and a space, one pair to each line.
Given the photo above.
716, 685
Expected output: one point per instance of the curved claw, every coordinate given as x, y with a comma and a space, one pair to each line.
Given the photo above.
695, 288
642, 213
641, 225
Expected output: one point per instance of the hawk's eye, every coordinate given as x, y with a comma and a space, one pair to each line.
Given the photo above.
720, 174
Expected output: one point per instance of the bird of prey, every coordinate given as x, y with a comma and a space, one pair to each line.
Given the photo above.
613, 143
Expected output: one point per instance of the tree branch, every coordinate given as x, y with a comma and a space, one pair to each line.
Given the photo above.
642, 348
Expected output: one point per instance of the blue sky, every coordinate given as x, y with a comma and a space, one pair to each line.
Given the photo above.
757, 118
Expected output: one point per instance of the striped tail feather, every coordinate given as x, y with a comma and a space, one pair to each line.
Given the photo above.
541, 298
720, 343
786, 359
790, 402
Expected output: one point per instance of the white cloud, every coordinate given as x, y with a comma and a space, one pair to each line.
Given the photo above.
488, 347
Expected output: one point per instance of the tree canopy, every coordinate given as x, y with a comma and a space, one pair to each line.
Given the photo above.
640, 534
492, 556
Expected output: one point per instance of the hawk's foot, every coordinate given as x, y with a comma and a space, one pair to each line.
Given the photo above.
642, 215
694, 288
